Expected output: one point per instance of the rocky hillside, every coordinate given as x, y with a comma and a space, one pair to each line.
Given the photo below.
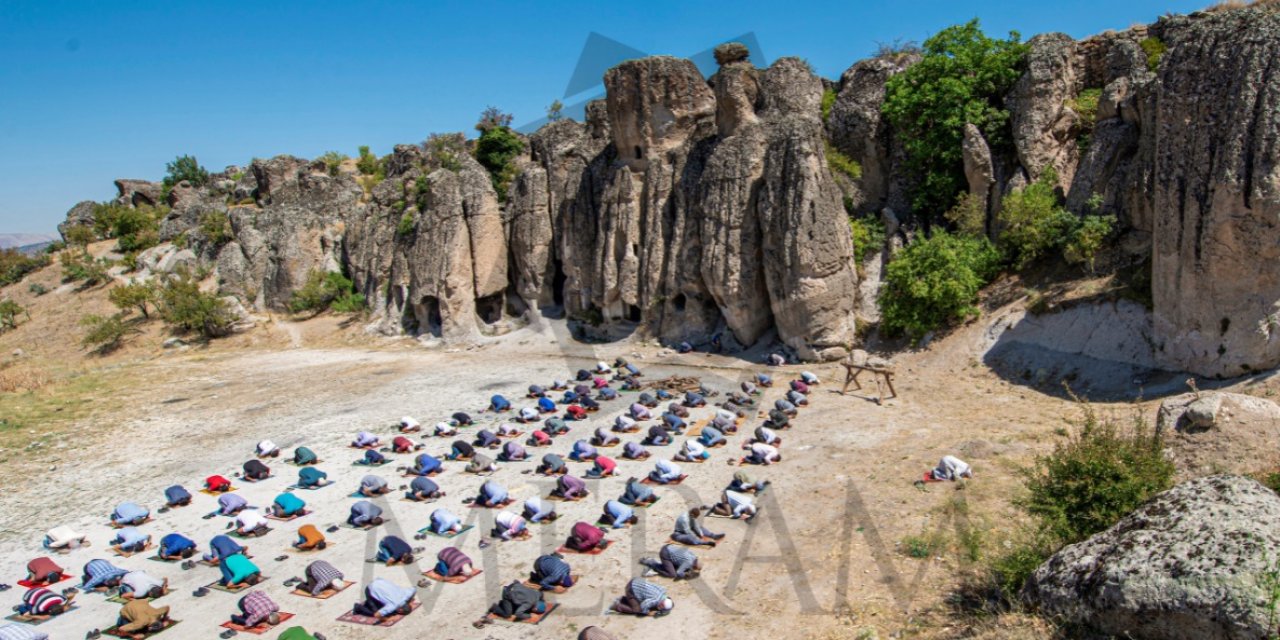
686, 205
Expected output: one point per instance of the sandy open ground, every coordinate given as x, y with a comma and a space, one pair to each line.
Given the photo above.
821, 561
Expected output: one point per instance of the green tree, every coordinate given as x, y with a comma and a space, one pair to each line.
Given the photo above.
135, 295
326, 290
496, 151
1088, 239
9, 313
555, 111
367, 163
82, 267
103, 333
185, 168
962, 77
183, 306
1033, 221
16, 265
935, 281
333, 161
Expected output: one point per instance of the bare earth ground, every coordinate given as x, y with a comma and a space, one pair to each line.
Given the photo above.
823, 560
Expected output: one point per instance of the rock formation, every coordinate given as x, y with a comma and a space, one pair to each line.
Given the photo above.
1188, 564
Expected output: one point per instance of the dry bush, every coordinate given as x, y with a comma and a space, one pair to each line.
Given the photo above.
22, 379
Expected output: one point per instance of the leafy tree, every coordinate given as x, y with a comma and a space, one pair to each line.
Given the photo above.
1033, 221
555, 111
493, 118
969, 216
103, 333
183, 306
135, 295
496, 151
962, 77
935, 281
9, 313
185, 168
367, 163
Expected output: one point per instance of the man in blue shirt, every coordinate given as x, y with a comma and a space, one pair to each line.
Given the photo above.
423, 488
552, 573
129, 513
393, 550
223, 546
618, 515
176, 546
383, 598
365, 514
176, 496
101, 575
492, 494
129, 541
443, 522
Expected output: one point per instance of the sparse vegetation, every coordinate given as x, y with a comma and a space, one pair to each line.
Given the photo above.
324, 291
1088, 238
969, 215
896, 49
444, 151
1154, 48
79, 266
215, 226
868, 237
497, 148
406, 226
81, 235
368, 164
1086, 106
962, 77
37, 289
921, 546
104, 334
185, 308
828, 101
134, 228
184, 168
333, 161
934, 282
16, 265
133, 296
840, 164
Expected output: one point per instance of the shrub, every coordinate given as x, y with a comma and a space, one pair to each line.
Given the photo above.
134, 228
496, 150
368, 164
962, 77
896, 49
37, 289
868, 237
1011, 568
444, 151
828, 101
135, 295
103, 333
934, 282
81, 235
406, 226
82, 267
1033, 222
969, 215
9, 313
1154, 48
555, 111
1101, 473
326, 290
55, 246
921, 546
841, 164
333, 161
185, 308
184, 168
1087, 239
493, 118
215, 226
16, 265
1086, 105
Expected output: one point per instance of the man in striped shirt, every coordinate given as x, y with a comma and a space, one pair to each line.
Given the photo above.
644, 599
101, 575
673, 562
255, 607
41, 603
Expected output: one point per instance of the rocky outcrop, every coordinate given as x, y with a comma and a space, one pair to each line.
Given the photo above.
1214, 432
1216, 193
1044, 127
79, 215
979, 170
1191, 563
136, 193
860, 130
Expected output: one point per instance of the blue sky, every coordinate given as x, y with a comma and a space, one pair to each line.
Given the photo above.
92, 91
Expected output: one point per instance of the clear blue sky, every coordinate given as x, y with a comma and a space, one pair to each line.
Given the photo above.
92, 91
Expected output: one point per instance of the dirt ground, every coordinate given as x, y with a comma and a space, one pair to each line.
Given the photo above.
826, 559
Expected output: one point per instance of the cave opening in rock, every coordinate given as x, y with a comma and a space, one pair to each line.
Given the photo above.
633, 313
489, 308
557, 284
429, 318
679, 301
639, 153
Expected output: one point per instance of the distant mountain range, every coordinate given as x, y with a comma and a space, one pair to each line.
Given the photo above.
25, 241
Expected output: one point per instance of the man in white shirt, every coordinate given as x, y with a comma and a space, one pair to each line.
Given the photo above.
140, 584
250, 523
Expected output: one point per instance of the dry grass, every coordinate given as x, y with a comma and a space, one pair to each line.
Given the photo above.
16, 379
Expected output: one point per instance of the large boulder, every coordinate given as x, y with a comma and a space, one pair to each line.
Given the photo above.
77, 216
1044, 126
1190, 564
1216, 263
135, 193
859, 129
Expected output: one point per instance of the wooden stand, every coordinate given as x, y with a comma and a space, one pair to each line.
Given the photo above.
852, 371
